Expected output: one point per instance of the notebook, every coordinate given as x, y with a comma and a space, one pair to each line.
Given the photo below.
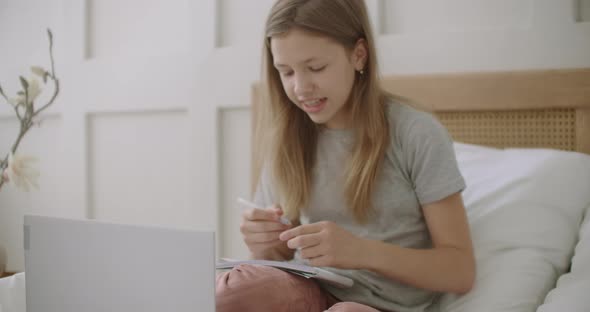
92, 266
295, 268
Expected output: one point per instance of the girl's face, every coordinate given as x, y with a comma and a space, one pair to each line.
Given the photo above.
317, 74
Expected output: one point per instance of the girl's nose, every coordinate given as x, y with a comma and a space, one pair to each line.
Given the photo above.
303, 84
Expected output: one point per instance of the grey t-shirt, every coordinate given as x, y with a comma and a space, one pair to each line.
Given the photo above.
419, 168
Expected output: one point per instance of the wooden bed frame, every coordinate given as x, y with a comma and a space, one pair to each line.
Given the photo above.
549, 108
533, 108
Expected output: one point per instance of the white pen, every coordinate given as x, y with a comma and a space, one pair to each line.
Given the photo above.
250, 204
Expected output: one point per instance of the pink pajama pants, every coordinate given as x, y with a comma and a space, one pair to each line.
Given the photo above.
249, 288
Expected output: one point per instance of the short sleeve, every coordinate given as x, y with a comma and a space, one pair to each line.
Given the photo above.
430, 159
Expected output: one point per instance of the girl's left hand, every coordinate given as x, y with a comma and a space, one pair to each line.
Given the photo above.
326, 244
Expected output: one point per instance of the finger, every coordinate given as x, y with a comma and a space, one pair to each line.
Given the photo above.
261, 247
304, 241
262, 226
256, 238
277, 209
301, 230
311, 252
254, 214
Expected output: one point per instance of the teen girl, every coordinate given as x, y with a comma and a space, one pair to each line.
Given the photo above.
370, 184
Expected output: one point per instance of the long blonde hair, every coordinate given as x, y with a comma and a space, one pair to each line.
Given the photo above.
292, 136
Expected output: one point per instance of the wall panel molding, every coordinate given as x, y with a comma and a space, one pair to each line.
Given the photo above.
139, 167
132, 28
234, 145
549, 14
241, 22
413, 17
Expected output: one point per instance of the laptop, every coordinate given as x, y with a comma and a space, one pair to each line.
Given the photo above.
92, 266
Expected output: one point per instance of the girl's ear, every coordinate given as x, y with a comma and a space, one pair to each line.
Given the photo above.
359, 54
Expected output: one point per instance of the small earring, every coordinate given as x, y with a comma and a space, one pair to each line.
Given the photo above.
362, 72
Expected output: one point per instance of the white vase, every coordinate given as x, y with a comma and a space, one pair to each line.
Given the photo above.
13, 293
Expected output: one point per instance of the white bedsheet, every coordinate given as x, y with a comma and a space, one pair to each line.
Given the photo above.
572, 293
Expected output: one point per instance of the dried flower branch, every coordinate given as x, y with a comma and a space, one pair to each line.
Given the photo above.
15, 167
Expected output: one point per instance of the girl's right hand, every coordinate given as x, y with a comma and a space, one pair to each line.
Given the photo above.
261, 229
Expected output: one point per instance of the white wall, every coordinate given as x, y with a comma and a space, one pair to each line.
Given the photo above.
152, 125
124, 140
475, 35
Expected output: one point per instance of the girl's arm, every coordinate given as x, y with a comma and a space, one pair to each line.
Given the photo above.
447, 267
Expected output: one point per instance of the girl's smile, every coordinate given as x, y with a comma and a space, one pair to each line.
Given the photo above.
314, 106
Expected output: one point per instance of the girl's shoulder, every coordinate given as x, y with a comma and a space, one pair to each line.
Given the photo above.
405, 119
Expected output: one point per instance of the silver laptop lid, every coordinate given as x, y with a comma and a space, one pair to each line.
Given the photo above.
88, 266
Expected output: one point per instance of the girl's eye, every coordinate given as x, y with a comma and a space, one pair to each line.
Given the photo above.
286, 74
317, 69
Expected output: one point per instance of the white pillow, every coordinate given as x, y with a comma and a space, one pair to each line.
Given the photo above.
572, 293
524, 207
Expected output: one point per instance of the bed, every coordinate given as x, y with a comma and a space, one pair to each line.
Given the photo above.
522, 140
